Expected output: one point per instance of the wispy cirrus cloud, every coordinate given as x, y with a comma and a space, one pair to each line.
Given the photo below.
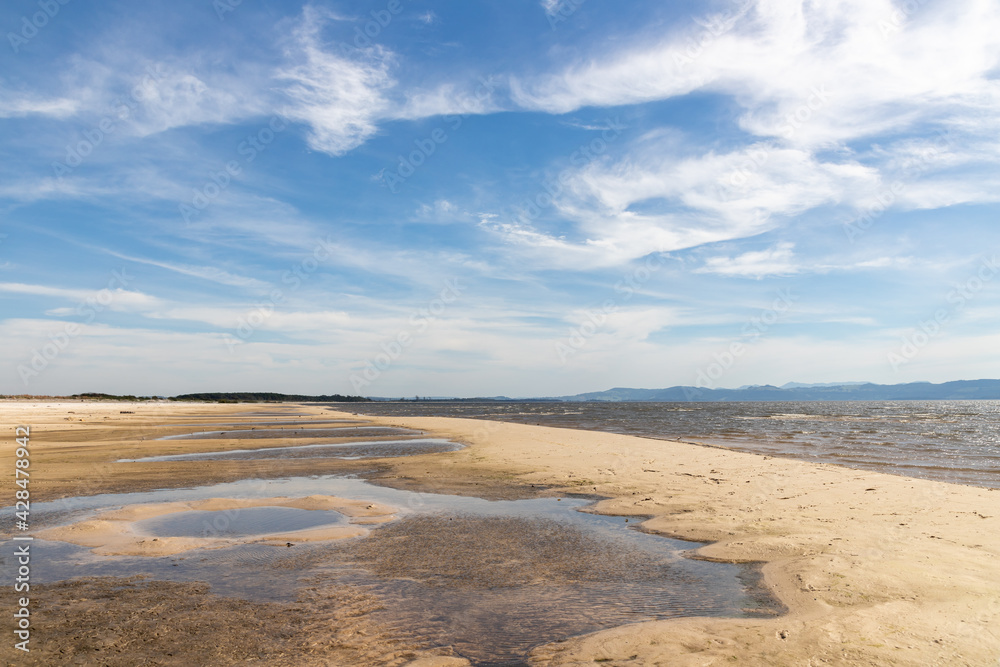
210, 273
862, 68
117, 299
776, 261
551, 6
341, 97
663, 195
19, 105
812, 84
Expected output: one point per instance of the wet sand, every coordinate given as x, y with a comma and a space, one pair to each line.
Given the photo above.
874, 569
123, 622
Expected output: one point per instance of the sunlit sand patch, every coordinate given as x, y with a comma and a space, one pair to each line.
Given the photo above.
120, 532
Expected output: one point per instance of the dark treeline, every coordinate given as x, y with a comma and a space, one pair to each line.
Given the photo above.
92, 396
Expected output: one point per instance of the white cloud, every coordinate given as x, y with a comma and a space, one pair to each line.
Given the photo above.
884, 263
781, 261
142, 96
341, 98
551, 6
13, 105
44, 290
318, 325
450, 99
776, 261
34, 189
210, 273
193, 93
786, 55
810, 79
727, 188
117, 299
661, 198
441, 211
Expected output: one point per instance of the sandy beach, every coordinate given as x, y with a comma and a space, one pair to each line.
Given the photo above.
874, 569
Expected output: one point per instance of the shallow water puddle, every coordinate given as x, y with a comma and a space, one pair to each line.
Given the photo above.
244, 522
264, 433
492, 579
299, 422
342, 450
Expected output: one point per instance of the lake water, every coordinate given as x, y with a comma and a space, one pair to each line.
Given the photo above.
951, 441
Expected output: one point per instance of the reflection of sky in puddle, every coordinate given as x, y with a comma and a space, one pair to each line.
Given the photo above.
299, 422
241, 522
342, 450
483, 624
264, 433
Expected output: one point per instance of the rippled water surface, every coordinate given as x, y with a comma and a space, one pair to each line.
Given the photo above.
952, 441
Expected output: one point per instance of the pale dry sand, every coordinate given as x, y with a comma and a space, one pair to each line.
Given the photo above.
114, 533
875, 569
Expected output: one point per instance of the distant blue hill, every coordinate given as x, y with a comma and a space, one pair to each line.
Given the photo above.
913, 391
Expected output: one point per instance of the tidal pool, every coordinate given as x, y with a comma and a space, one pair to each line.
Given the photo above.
342, 450
265, 433
492, 579
299, 422
242, 522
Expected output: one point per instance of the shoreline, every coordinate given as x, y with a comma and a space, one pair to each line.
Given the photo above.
873, 568
820, 432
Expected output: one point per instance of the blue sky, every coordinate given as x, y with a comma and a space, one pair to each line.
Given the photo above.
479, 198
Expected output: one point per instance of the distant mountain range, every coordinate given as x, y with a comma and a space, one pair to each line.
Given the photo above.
793, 391
790, 391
